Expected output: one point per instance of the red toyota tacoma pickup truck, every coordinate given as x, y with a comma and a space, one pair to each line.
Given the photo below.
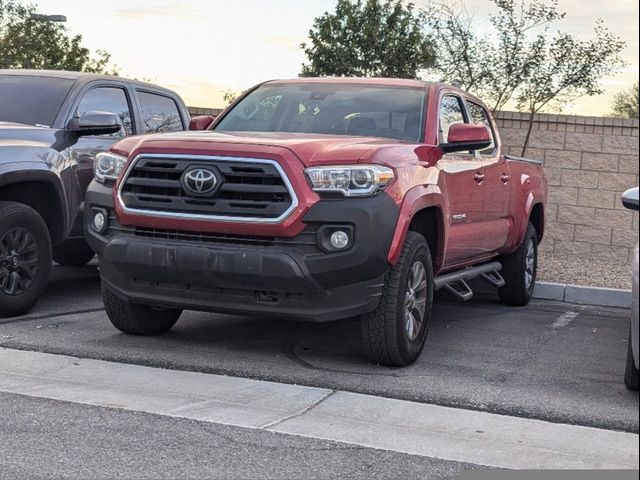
318, 199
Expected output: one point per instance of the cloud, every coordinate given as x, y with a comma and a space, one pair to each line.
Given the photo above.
285, 41
157, 9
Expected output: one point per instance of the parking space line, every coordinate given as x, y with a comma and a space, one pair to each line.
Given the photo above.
49, 316
388, 424
564, 320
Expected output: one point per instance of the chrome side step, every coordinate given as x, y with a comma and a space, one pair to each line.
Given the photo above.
455, 282
493, 278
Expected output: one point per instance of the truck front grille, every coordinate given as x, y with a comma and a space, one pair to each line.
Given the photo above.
245, 189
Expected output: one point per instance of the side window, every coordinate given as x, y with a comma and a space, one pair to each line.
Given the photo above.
159, 113
479, 116
109, 99
450, 113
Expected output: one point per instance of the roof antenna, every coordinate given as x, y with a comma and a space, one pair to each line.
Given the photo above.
457, 83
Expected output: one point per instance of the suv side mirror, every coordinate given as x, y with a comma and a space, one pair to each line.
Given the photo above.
95, 123
463, 136
201, 123
630, 199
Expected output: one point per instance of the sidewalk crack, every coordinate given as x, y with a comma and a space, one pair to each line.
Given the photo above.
306, 409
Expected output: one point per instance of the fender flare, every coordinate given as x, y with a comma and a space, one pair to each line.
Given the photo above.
29, 172
530, 199
416, 200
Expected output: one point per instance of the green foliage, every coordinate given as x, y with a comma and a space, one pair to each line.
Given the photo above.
626, 104
229, 96
29, 43
382, 38
519, 58
564, 68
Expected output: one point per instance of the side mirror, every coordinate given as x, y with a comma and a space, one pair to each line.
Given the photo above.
630, 199
463, 136
201, 123
95, 123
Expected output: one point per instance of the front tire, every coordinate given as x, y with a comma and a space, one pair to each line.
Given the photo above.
631, 374
395, 333
138, 319
520, 270
25, 258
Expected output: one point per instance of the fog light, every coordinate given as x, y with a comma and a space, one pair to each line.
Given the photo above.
99, 221
339, 240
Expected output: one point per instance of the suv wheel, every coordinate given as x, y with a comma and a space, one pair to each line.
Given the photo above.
25, 258
519, 271
73, 252
394, 334
137, 319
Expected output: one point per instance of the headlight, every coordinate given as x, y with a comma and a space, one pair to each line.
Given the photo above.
108, 166
351, 181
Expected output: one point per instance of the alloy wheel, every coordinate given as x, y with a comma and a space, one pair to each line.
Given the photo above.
530, 264
415, 300
18, 261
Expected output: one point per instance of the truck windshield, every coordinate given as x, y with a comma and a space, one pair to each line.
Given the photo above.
31, 100
331, 108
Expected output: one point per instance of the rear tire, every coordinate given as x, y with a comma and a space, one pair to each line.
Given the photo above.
519, 271
395, 333
137, 319
73, 252
25, 258
631, 374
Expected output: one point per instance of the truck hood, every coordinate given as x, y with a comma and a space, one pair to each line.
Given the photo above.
311, 149
18, 134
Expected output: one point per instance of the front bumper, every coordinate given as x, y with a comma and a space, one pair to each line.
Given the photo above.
285, 277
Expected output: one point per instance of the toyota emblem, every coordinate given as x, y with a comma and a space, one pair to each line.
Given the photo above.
199, 181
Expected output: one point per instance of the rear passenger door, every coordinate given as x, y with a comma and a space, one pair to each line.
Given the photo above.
158, 113
465, 189
497, 184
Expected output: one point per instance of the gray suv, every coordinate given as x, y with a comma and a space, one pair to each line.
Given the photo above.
52, 125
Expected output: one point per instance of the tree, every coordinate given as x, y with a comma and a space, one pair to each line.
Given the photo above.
493, 63
625, 104
382, 38
520, 59
27, 42
229, 96
565, 68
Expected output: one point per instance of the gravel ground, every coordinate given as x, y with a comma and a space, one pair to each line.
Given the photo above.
593, 273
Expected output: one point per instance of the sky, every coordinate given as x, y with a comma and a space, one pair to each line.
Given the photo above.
201, 48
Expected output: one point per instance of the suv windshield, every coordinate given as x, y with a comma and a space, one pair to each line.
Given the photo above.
31, 100
330, 108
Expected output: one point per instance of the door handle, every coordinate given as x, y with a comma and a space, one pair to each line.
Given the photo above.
505, 177
479, 177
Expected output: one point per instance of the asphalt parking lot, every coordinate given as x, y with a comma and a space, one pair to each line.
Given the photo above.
496, 387
551, 361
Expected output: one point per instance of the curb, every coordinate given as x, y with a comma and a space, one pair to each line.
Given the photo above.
604, 297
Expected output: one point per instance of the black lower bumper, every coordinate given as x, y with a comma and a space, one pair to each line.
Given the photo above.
292, 278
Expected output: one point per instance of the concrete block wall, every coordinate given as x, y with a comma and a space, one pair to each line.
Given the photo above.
589, 161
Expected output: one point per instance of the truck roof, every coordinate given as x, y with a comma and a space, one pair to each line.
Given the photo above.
380, 81
80, 77
396, 82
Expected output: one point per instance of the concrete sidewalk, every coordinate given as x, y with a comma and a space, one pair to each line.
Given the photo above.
388, 424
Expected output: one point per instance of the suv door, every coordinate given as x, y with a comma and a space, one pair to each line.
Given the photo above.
159, 113
497, 184
464, 179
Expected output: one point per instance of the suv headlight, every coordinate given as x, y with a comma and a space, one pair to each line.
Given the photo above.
108, 166
351, 181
